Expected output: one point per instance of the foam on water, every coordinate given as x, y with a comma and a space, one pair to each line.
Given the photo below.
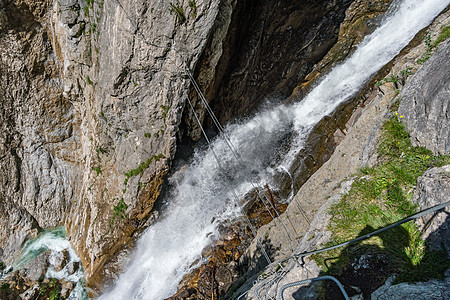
55, 241
206, 193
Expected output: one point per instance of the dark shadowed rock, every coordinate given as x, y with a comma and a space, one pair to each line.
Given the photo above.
425, 103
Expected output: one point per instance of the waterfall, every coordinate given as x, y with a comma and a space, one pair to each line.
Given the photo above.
204, 196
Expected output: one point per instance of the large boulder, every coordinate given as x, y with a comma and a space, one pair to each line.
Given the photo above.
425, 103
433, 188
36, 269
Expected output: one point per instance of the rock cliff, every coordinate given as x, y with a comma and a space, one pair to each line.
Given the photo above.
93, 106
94, 93
94, 101
358, 149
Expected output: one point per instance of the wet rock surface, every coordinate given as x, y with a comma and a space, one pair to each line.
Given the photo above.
224, 259
357, 149
270, 46
59, 259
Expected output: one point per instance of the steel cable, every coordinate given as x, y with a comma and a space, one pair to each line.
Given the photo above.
366, 236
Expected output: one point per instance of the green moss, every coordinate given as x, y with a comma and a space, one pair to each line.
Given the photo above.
148, 135
177, 9
445, 33
165, 110
97, 170
89, 81
144, 165
193, 6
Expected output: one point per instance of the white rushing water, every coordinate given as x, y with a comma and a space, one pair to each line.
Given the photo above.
204, 196
54, 240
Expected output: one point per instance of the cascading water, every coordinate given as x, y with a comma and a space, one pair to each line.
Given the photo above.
206, 193
54, 240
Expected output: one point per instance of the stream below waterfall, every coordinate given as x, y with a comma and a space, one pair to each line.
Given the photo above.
206, 193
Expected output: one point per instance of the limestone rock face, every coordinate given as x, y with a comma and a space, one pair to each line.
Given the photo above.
433, 289
92, 96
30, 181
425, 103
433, 188
16, 226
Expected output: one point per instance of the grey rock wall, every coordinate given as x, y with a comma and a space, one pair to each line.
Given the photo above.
91, 90
426, 105
433, 188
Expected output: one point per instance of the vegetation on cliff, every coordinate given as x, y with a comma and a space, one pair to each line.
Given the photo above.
380, 196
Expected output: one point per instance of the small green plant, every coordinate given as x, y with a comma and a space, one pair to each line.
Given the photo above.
165, 110
102, 115
445, 33
97, 170
119, 210
428, 51
101, 150
148, 135
392, 78
193, 6
86, 11
144, 165
88, 80
406, 72
93, 28
52, 290
177, 9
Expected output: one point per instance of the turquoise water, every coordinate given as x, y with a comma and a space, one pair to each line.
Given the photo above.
54, 240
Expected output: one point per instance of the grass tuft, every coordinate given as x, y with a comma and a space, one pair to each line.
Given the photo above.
445, 34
